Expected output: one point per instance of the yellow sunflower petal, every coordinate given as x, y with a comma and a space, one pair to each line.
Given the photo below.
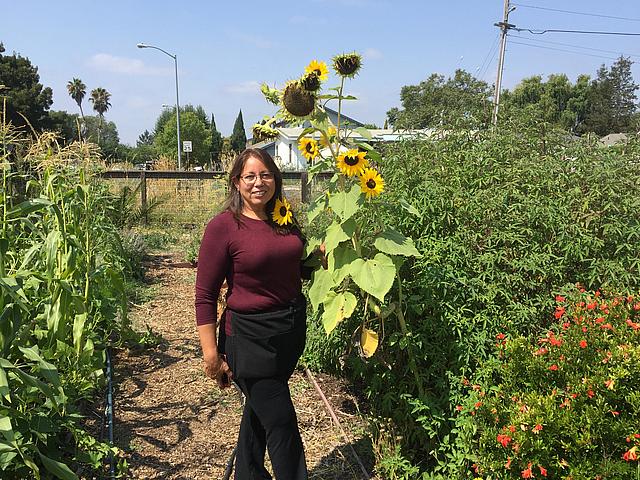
282, 214
309, 148
371, 183
319, 68
352, 162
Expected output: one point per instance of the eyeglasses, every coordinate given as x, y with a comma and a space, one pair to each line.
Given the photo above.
251, 178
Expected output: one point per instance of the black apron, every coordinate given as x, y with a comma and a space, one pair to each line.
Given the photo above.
267, 344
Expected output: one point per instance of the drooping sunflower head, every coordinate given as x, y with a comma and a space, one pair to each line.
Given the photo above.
319, 68
352, 162
309, 148
264, 131
371, 183
298, 101
282, 213
310, 81
272, 95
347, 64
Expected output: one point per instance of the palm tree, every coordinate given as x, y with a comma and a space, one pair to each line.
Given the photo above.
100, 99
77, 91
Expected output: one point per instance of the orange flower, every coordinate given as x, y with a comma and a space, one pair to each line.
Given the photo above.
559, 312
632, 324
583, 344
527, 473
560, 298
631, 454
508, 464
553, 367
543, 471
609, 384
537, 428
590, 393
504, 440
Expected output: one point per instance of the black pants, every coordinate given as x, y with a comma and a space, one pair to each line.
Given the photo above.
269, 422
262, 352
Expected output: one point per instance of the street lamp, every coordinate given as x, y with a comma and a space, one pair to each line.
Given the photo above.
175, 60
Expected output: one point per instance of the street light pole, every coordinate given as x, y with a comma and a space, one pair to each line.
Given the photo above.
175, 60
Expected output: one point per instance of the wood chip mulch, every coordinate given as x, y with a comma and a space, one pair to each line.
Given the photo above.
172, 422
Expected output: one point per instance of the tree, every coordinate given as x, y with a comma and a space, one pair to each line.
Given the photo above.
25, 94
191, 128
77, 90
462, 99
216, 142
145, 138
100, 99
238, 138
108, 132
66, 125
168, 113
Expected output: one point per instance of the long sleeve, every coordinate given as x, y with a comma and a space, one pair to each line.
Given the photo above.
213, 264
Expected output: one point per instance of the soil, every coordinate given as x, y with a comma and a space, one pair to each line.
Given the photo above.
172, 422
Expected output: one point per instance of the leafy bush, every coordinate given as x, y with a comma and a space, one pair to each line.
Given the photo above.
503, 219
565, 405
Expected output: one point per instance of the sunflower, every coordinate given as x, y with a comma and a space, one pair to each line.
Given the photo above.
264, 131
319, 68
310, 82
282, 214
371, 183
297, 101
352, 162
309, 148
347, 64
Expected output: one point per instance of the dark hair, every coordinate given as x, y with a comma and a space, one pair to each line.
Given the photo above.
233, 202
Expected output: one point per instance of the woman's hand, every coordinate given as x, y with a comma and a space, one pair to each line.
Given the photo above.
322, 253
218, 369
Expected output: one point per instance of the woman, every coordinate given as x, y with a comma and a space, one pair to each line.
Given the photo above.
262, 330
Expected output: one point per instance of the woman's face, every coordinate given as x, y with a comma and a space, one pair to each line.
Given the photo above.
256, 185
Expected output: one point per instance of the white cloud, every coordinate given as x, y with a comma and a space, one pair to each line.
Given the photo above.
372, 54
250, 86
128, 66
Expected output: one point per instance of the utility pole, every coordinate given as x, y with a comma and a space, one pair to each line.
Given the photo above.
504, 26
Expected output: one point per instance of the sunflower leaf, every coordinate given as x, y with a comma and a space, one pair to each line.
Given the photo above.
316, 207
375, 276
338, 233
322, 283
337, 307
368, 342
60, 470
364, 132
394, 243
345, 204
340, 260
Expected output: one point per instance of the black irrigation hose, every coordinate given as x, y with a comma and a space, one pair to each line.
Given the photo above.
109, 413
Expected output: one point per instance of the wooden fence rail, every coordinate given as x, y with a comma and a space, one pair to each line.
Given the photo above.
143, 175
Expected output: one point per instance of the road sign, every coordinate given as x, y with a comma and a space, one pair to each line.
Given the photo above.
187, 146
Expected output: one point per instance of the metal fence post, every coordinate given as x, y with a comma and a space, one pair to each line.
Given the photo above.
143, 195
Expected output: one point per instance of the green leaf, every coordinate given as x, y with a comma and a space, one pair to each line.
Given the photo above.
337, 307
78, 330
410, 208
322, 282
364, 132
346, 204
339, 262
374, 276
316, 207
6, 429
25, 208
4, 385
60, 470
339, 232
394, 243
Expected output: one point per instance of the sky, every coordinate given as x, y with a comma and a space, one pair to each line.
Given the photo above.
226, 49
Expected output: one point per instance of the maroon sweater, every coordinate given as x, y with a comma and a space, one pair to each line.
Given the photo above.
262, 268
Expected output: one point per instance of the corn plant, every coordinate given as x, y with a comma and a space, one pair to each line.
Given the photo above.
61, 301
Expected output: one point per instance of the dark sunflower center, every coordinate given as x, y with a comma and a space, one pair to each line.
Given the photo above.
317, 72
283, 211
309, 147
371, 183
351, 161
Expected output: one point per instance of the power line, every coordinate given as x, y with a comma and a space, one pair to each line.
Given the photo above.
576, 46
482, 69
578, 13
589, 32
562, 50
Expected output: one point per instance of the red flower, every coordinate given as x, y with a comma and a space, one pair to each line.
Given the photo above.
512, 428
508, 464
609, 384
553, 367
606, 326
501, 336
592, 305
540, 351
631, 454
560, 298
632, 324
527, 473
559, 312
615, 413
590, 393
537, 428
583, 344
504, 440
543, 471
459, 408
477, 404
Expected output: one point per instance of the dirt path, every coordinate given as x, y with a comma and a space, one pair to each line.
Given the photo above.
174, 423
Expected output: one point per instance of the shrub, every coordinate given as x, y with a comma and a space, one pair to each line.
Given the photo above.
565, 405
